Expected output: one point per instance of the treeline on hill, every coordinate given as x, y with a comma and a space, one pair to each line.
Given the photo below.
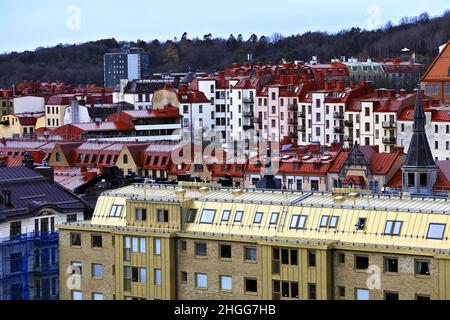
83, 63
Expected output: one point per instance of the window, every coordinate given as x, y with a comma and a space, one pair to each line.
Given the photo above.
251, 285
96, 241
191, 215
250, 253
258, 218
157, 244
361, 223
183, 245
333, 222
201, 249
362, 294
422, 297
226, 283
207, 216
116, 211
361, 262
324, 221
78, 266
225, 251
238, 216
141, 214
201, 280
162, 215
341, 258
75, 239
158, 277
15, 229
391, 265
184, 276
97, 271
341, 292
311, 258
422, 267
436, 231
274, 218
312, 291
77, 295
71, 218
226, 215
97, 296
393, 228
127, 249
298, 222
16, 262
388, 295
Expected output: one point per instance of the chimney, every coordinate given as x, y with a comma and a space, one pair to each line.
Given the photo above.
28, 161
340, 85
167, 86
47, 172
182, 88
221, 75
392, 93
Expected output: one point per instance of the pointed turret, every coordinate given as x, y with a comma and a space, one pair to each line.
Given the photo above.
419, 169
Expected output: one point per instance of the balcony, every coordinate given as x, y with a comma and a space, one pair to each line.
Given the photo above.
250, 100
258, 120
301, 128
293, 107
249, 114
389, 125
339, 115
302, 115
348, 124
390, 140
293, 135
248, 127
293, 121
338, 130
348, 138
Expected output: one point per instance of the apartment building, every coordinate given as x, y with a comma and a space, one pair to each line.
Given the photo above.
30, 208
436, 81
195, 243
21, 125
437, 130
6, 102
55, 109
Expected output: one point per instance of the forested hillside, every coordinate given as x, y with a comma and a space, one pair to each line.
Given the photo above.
83, 63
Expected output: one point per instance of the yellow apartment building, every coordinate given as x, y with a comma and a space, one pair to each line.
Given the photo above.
190, 242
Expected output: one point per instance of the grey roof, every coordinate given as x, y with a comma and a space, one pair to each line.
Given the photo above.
419, 153
31, 192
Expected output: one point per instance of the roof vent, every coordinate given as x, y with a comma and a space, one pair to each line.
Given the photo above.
237, 192
204, 189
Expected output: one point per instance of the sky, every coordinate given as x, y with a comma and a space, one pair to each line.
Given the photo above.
29, 24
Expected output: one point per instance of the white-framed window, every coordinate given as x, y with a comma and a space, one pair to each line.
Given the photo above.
116, 211
393, 228
333, 222
436, 231
226, 283
207, 216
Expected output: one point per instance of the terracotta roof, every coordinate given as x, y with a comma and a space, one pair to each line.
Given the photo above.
356, 180
443, 178
396, 180
438, 70
60, 99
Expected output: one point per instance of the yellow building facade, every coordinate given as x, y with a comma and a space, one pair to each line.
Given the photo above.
193, 243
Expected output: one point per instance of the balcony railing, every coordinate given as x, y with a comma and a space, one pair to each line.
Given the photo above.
339, 115
301, 114
248, 127
348, 138
338, 130
293, 121
390, 140
258, 120
301, 128
348, 123
249, 114
250, 100
388, 125
294, 135
293, 107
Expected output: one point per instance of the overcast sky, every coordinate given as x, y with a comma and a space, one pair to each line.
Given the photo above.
28, 24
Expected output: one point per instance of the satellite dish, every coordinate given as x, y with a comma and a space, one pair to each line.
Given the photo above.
405, 50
